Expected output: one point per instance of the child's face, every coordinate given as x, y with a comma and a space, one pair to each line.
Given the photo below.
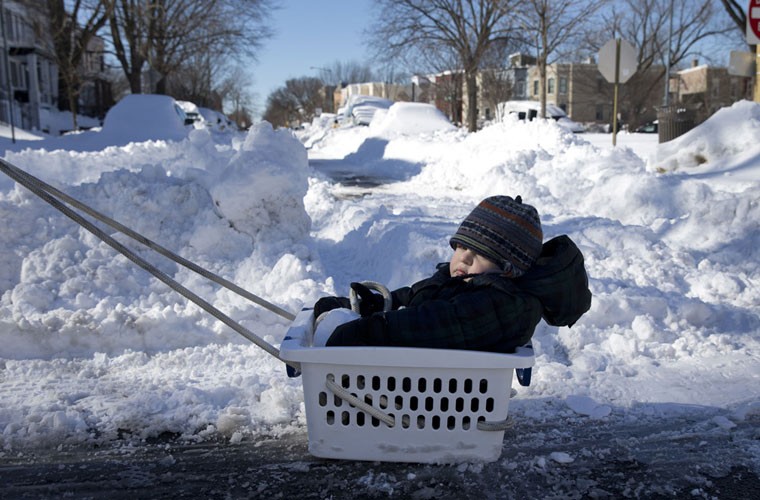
465, 261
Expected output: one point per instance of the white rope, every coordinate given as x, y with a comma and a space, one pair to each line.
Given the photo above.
358, 403
497, 425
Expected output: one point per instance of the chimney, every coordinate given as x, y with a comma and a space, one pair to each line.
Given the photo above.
695, 63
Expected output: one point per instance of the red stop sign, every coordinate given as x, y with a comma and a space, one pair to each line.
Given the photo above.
753, 19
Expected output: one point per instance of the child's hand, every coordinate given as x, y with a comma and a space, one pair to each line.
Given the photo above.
329, 303
369, 302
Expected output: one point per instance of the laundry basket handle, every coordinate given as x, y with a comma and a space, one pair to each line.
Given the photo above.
372, 285
358, 403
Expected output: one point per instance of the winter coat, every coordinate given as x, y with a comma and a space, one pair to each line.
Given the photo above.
489, 312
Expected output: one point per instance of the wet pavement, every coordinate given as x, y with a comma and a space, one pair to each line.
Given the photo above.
621, 457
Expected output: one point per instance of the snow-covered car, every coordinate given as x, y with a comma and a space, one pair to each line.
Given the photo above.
147, 117
192, 113
361, 108
216, 120
528, 110
411, 118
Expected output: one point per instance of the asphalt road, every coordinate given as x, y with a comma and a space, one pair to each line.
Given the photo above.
620, 457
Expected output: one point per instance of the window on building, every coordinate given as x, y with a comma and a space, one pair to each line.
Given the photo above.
715, 87
520, 90
18, 75
535, 87
563, 85
16, 29
600, 112
550, 86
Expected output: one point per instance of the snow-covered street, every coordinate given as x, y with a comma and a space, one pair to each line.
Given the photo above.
653, 393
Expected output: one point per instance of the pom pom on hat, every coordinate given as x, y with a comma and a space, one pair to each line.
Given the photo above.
505, 231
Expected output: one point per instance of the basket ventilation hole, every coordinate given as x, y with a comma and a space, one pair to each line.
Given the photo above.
413, 403
436, 424
453, 385
399, 402
459, 405
429, 403
489, 404
406, 384
483, 386
451, 423
466, 423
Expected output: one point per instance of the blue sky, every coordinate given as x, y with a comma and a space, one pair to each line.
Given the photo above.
309, 33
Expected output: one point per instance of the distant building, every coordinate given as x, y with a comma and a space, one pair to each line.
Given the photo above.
28, 73
390, 91
95, 95
705, 89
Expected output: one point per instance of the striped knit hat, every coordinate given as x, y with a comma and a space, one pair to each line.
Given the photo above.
503, 230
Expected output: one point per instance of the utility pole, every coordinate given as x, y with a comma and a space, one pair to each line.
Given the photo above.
757, 73
6, 56
666, 100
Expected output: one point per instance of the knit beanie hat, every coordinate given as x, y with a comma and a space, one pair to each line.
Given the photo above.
505, 231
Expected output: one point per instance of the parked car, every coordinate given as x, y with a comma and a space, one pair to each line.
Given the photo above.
191, 113
361, 108
528, 110
410, 118
648, 128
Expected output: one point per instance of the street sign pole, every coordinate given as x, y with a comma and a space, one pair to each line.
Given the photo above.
757, 73
617, 63
615, 94
753, 38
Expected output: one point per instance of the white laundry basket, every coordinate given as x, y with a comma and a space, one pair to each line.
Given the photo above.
399, 404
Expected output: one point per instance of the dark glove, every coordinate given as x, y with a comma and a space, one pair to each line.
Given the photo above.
361, 332
369, 302
329, 303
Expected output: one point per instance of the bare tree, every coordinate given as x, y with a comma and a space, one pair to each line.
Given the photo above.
738, 15
496, 87
466, 28
129, 36
552, 25
166, 34
294, 103
339, 73
646, 24
71, 30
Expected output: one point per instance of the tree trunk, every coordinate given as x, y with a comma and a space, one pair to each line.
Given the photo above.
472, 100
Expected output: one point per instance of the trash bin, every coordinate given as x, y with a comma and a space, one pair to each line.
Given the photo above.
674, 121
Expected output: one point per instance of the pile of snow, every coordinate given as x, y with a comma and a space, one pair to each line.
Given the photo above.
92, 348
410, 118
143, 117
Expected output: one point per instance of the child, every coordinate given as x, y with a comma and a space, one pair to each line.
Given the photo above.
498, 285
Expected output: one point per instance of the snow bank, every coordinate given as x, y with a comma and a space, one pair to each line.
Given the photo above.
91, 348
